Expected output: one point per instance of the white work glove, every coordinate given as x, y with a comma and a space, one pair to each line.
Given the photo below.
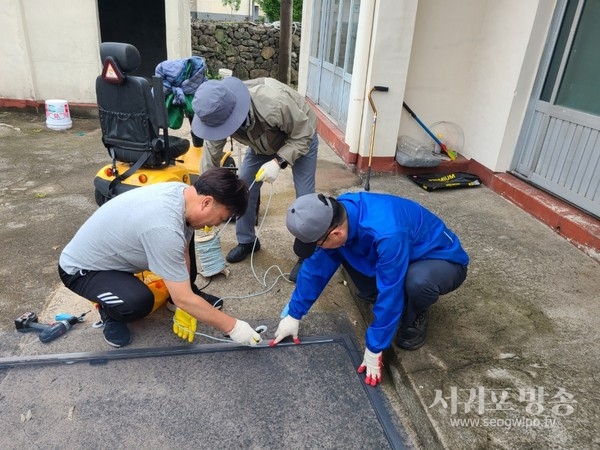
244, 334
372, 363
268, 172
288, 326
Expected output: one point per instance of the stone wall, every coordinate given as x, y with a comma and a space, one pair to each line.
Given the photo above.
250, 50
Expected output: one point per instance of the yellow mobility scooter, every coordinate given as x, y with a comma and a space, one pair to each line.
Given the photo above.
135, 128
134, 122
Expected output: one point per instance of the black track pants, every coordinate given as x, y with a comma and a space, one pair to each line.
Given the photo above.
122, 296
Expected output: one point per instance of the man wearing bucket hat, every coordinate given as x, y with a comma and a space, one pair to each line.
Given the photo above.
400, 256
278, 126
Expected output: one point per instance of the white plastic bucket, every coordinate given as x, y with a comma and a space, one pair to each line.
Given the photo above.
57, 115
224, 73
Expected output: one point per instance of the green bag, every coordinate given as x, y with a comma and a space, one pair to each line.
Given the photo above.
177, 113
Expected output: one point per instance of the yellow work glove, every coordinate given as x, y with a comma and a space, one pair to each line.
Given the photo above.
184, 325
268, 172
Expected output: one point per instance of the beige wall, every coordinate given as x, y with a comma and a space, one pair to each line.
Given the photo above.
216, 7
53, 47
53, 52
472, 62
179, 32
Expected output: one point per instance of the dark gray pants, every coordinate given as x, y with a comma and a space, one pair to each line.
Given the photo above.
424, 283
303, 172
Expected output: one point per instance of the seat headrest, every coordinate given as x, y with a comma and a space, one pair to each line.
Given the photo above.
126, 56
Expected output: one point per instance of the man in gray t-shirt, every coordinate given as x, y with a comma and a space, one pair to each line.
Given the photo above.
152, 228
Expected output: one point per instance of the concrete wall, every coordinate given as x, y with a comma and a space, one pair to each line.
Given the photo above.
52, 51
474, 62
179, 32
216, 7
388, 66
471, 62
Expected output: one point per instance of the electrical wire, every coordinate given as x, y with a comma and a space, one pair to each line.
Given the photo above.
212, 244
263, 283
260, 329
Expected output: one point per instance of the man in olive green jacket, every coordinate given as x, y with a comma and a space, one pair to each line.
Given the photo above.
278, 126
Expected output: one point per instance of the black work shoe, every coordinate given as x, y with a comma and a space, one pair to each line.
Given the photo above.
240, 252
215, 301
294, 273
366, 298
116, 333
412, 337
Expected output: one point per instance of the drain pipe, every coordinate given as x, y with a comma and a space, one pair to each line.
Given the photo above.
358, 88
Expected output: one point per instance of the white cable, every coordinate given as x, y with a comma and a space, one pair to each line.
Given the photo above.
282, 274
211, 257
259, 329
264, 280
262, 222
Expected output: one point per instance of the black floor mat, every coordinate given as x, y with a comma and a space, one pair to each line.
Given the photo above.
301, 397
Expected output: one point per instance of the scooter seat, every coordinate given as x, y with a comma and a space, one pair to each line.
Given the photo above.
133, 118
177, 147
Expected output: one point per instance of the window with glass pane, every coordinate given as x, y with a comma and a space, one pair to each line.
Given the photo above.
332, 31
559, 51
352, 36
579, 86
316, 28
343, 32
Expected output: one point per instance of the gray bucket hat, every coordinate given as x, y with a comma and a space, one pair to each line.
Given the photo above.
308, 219
220, 107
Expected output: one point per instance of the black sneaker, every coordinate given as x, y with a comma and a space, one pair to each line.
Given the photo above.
115, 333
239, 253
294, 273
215, 301
412, 337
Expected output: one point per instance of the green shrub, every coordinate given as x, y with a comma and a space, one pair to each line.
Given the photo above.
272, 8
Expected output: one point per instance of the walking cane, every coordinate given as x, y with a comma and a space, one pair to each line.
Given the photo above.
381, 89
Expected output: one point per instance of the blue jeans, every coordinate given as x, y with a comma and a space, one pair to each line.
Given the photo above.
303, 171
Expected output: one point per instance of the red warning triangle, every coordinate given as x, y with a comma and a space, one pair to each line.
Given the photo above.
111, 72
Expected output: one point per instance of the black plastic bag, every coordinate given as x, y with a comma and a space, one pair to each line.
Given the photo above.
433, 181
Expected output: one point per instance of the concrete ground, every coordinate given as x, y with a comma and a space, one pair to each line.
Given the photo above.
511, 359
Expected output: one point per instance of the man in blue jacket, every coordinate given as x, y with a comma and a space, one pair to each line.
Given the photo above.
400, 256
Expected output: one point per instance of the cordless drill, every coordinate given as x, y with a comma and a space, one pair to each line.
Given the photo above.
48, 332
